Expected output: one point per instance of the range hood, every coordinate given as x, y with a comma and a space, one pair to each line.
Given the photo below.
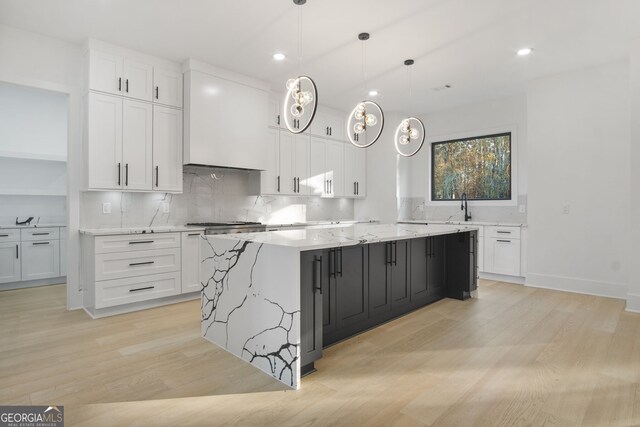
225, 119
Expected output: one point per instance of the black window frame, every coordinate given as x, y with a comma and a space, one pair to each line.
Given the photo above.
493, 135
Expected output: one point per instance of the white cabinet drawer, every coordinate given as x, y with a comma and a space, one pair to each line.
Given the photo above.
9, 235
110, 293
502, 232
502, 256
136, 242
136, 263
49, 233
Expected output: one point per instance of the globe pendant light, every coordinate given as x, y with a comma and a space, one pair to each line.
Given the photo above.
366, 120
301, 100
410, 133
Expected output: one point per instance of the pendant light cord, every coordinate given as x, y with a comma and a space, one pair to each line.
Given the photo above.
299, 40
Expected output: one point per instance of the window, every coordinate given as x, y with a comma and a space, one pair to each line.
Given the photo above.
479, 166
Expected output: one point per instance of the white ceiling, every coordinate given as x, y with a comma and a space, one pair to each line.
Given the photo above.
469, 44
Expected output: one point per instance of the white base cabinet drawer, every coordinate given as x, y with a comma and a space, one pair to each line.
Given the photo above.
136, 242
136, 263
30, 234
111, 293
502, 256
40, 259
502, 232
10, 262
9, 235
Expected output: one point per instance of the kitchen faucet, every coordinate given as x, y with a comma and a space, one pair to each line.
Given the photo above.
463, 207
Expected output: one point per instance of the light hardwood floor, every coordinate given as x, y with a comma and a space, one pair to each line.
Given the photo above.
513, 356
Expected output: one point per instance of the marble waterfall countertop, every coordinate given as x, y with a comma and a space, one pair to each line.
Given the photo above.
344, 235
494, 223
138, 230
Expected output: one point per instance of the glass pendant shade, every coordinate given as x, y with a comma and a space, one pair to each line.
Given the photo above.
300, 104
409, 137
365, 124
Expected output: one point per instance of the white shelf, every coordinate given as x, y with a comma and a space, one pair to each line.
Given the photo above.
33, 156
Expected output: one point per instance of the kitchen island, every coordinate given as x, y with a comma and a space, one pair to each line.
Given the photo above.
275, 299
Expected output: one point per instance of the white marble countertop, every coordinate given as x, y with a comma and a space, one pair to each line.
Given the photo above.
138, 230
494, 223
32, 226
318, 223
345, 235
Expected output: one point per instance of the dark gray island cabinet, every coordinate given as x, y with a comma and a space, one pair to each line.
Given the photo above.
275, 299
349, 289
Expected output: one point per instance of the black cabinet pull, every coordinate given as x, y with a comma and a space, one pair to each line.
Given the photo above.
141, 289
193, 234
340, 264
39, 234
278, 183
332, 262
119, 84
4, 235
330, 131
298, 184
294, 184
330, 186
156, 92
387, 253
40, 243
126, 86
278, 119
137, 242
358, 188
326, 130
395, 253
126, 174
133, 264
317, 274
503, 241
119, 173
503, 232
157, 175
17, 253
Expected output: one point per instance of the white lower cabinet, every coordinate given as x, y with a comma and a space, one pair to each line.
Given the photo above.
63, 251
502, 250
10, 270
110, 293
40, 259
191, 262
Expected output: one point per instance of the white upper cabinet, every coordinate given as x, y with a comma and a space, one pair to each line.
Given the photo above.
335, 168
224, 122
103, 145
167, 87
167, 149
301, 164
327, 124
138, 79
105, 72
361, 172
275, 114
137, 142
354, 171
270, 177
318, 181
286, 163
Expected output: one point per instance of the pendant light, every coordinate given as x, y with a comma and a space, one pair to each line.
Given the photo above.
301, 100
410, 133
366, 120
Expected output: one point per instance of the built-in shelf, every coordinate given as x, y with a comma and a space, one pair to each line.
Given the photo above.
33, 156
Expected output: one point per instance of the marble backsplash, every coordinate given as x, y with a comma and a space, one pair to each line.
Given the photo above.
415, 208
209, 195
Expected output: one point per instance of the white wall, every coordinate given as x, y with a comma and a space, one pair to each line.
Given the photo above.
499, 115
578, 151
633, 297
32, 60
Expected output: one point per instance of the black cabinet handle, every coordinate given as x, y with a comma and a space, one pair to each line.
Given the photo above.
503, 232
278, 183
326, 130
126, 86
137, 242
332, 262
39, 234
4, 235
133, 264
17, 253
330, 131
298, 184
119, 173
387, 253
340, 264
193, 234
330, 186
40, 243
156, 92
294, 184
278, 119
119, 84
504, 241
141, 289
317, 274
157, 175
126, 174
395, 253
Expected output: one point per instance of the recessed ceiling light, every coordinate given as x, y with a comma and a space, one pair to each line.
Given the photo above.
525, 51
279, 56
373, 93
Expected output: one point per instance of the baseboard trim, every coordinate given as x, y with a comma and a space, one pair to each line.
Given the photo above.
633, 303
98, 313
502, 278
577, 285
33, 283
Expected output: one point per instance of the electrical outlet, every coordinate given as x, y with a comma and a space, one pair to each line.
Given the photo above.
566, 209
165, 207
106, 208
522, 208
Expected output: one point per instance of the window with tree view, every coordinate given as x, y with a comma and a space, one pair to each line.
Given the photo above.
478, 166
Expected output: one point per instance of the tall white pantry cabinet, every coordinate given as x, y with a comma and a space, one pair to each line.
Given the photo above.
132, 121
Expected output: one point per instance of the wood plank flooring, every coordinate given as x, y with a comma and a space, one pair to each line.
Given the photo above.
513, 356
